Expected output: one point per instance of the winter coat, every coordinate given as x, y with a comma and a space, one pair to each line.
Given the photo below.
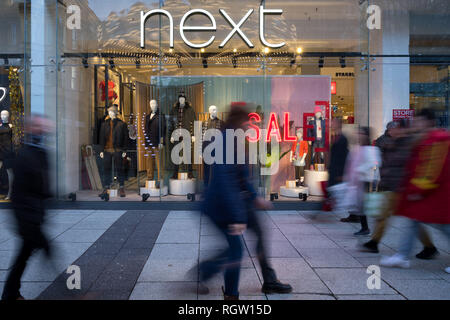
31, 185
152, 129
427, 186
230, 194
185, 121
6, 145
396, 152
119, 135
338, 156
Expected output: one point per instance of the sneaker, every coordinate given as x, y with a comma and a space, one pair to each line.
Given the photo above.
427, 253
370, 246
395, 261
447, 269
362, 232
276, 287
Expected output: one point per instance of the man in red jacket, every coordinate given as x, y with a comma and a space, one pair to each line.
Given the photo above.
425, 197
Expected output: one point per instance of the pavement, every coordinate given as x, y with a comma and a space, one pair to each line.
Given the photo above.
152, 255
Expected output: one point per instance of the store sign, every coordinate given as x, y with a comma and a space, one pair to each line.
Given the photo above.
2, 93
398, 114
345, 74
273, 128
212, 27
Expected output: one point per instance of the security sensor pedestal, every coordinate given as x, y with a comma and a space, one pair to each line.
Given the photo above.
152, 190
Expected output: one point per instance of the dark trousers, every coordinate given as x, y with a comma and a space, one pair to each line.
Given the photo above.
299, 172
211, 267
108, 158
229, 259
32, 239
255, 225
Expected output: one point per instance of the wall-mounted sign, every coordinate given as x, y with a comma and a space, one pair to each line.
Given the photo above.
398, 114
212, 27
344, 74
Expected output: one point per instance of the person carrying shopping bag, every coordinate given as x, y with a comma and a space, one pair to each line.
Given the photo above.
360, 172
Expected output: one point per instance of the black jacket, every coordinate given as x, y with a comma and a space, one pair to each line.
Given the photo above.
119, 135
31, 185
152, 129
338, 157
312, 132
186, 121
6, 146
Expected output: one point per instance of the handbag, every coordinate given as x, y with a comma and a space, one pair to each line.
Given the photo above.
374, 203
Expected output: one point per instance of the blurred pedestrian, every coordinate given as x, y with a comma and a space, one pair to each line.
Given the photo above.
425, 198
360, 172
31, 187
230, 202
338, 157
396, 151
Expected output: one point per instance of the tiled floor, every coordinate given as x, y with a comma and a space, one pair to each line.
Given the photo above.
150, 255
313, 251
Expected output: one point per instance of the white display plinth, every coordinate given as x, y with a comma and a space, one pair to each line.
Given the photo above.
150, 184
155, 192
313, 181
112, 193
293, 192
181, 187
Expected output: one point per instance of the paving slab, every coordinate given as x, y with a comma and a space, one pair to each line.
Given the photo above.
328, 258
165, 291
350, 281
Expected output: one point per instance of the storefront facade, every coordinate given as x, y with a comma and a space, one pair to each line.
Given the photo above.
365, 62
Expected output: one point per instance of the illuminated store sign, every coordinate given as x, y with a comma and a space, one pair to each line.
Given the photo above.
212, 27
273, 127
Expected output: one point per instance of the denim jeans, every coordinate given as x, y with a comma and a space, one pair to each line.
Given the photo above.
230, 260
415, 227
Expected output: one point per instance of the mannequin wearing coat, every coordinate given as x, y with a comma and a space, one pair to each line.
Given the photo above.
114, 141
155, 128
6, 149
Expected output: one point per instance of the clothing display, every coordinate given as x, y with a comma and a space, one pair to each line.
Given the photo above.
182, 117
6, 145
318, 132
155, 129
299, 150
114, 141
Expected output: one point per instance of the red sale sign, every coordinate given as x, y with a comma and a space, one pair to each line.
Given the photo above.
398, 114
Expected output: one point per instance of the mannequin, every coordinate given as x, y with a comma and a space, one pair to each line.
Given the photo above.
212, 123
113, 140
6, 149
183, 116
319, 134
155, 129
298, 155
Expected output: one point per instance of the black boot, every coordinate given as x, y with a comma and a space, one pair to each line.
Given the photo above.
370, 246
364, 227
353, 218
227, 297
276, 287
427, 253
